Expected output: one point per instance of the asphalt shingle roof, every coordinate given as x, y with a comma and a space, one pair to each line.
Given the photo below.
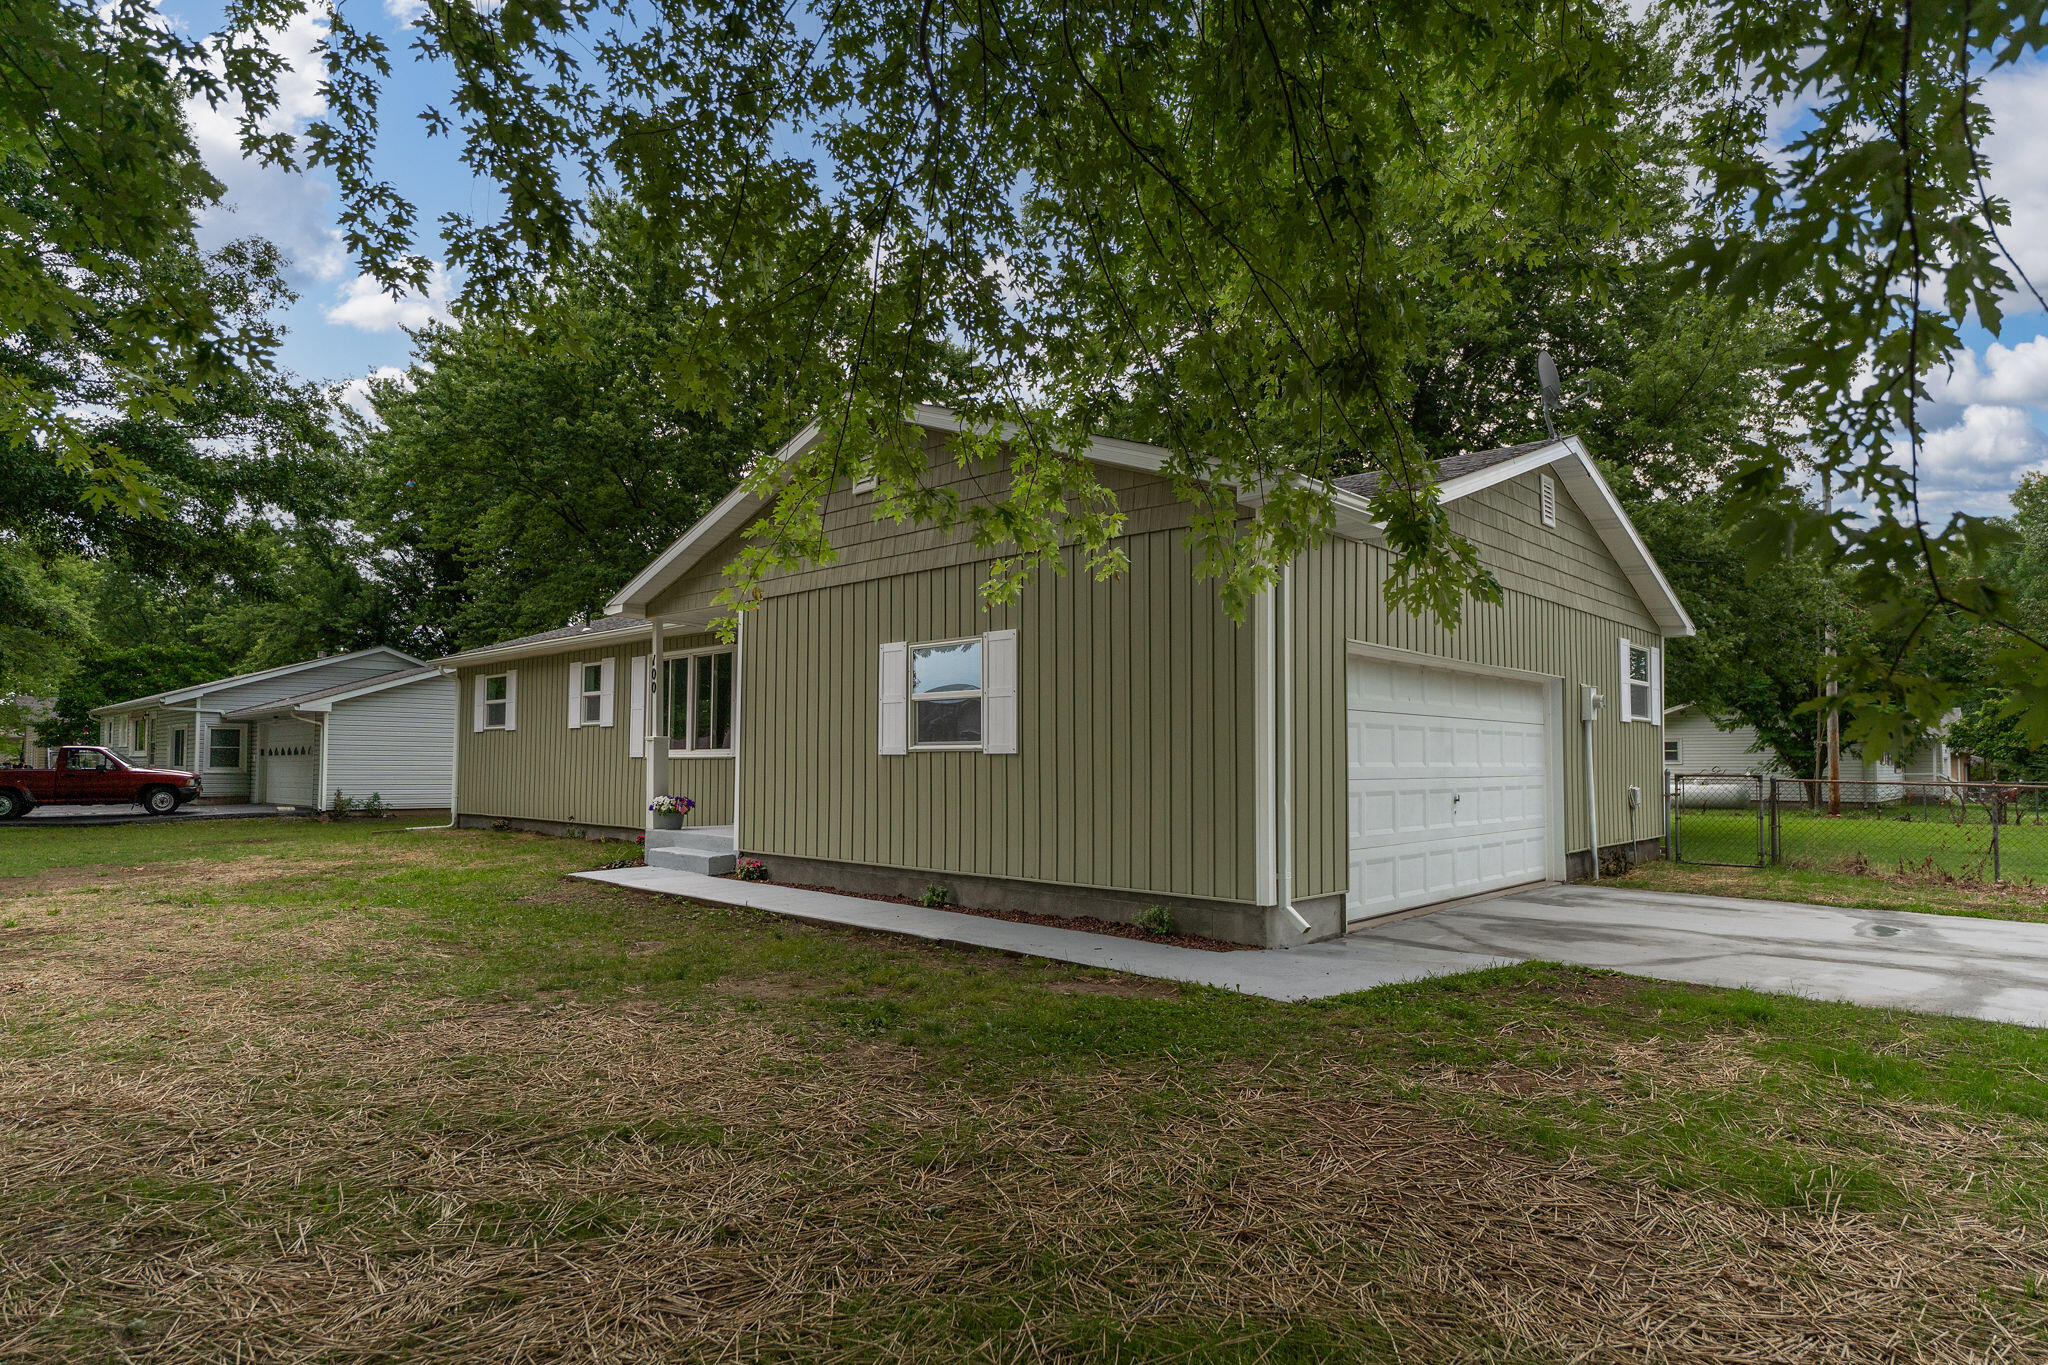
375, 680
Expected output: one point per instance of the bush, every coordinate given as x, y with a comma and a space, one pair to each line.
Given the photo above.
340, 806
935, 897
575, 832
750, 870
374, 807
1155, 919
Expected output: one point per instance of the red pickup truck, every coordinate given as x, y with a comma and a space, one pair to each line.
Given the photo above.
82, 776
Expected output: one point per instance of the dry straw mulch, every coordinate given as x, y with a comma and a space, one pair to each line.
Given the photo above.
195, 1170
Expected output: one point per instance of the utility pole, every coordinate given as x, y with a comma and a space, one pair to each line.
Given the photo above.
1834, 740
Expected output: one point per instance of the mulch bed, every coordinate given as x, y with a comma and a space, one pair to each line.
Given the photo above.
1087, 924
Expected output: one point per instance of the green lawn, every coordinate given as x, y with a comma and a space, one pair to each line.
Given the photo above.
1922, 838
282, 1091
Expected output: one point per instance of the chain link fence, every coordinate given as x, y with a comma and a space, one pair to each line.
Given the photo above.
1980, 831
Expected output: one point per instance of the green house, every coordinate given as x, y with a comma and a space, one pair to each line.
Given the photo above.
1102, 747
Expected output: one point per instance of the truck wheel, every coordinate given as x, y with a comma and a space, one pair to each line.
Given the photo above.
159, 800
12, 807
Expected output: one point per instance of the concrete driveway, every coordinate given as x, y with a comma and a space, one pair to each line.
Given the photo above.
1937, 964
130, 813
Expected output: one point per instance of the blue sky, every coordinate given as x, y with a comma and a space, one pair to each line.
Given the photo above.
1989, 422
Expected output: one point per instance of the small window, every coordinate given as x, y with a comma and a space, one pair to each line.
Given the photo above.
1549, 499
497, 701
945, 694
590, 691
1671, 751
700, 702
140, 740
223, 747
1638, 683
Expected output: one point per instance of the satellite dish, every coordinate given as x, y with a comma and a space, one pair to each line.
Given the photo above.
1546, 375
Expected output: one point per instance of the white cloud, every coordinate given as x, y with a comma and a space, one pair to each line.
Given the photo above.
356, 392
2015, 375
367, 308
406, 12
1973, 465
2017, 96
289, 208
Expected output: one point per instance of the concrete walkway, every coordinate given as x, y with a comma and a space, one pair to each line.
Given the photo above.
1936, 964
128, 814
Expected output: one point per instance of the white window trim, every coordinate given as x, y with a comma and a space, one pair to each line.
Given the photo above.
242, 748
1654, 684
705, 652
1673, 752
911, 698
482, 718
578, 694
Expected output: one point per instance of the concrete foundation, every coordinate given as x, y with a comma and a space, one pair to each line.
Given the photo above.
1262, 926
1578, 867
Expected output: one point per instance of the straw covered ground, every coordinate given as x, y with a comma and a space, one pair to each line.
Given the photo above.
277, 1091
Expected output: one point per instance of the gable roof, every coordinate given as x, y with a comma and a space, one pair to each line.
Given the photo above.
1459, 476
324, 698
177, 694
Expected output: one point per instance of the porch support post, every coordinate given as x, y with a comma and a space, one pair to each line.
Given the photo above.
656, 746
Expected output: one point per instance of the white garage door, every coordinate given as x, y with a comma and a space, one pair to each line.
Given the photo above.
1447, 785
290, 756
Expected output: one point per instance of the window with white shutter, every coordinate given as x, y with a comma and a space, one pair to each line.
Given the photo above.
999, 692
636, 710
893, 727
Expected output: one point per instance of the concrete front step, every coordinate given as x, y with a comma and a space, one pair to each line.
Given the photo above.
704, 861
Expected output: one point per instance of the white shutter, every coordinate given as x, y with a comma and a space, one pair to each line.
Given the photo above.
511, 699
476, 719
636, 718
999, 692
575, 695
1656, 716
894, 728
606, 676
1626, 713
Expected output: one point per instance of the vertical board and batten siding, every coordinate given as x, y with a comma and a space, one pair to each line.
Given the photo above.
544, 770
1135, 743
1565, 608
398, 744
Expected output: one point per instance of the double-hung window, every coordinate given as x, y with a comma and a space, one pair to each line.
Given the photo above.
224, 747
700, 703
140, 739
1641, 683
1671, 751
497, 701
945, 694
590, 692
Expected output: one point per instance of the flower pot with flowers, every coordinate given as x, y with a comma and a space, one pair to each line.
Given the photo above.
670, 810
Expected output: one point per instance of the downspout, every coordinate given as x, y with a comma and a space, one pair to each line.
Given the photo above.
655, 742
454, 757
1589, 708
1283, 716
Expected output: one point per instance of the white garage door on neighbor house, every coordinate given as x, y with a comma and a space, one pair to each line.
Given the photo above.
290, 755
1447, 784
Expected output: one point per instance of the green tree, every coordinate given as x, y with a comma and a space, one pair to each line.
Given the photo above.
525, 468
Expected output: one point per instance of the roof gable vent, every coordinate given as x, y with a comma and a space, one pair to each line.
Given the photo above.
1549, 498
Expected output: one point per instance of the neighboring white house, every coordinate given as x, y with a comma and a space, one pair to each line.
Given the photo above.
391, 737
1694, 742
190, 727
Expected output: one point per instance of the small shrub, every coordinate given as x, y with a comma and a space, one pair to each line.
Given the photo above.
374, 807
750, 870
1155, 919
574, 832
340, 806
935, 897
501, 826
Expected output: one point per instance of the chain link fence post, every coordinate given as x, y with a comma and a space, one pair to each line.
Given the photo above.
1997, 819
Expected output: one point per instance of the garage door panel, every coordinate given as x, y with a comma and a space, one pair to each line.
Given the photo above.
1447, 791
